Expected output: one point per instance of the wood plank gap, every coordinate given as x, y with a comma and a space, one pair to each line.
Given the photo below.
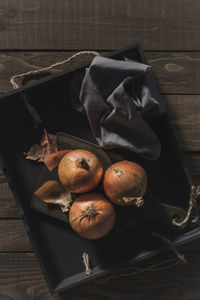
11, 219
59, 50
14, 252
179, 94
98, 50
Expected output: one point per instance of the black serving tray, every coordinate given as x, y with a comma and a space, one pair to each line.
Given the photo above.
58, 248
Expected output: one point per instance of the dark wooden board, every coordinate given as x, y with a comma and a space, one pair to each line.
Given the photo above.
21, 279
184, 112
175, 72
8, 207
100, 24
13, 236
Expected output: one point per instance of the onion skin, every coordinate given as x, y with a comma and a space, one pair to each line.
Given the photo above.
125, 183
92, 216
53, 192
50, 191
80, 171
52, 161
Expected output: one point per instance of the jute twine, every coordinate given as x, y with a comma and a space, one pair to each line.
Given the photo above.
86, 262
194, 194
45, 69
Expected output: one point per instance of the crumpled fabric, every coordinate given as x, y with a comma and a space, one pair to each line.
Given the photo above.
118, 98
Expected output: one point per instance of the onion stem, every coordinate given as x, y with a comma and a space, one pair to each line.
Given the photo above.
83, 163
90, 212
137, 201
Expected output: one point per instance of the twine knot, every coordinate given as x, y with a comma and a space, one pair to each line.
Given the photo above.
194, 195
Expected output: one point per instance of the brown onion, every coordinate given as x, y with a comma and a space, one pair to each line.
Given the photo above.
125, 183
80, 171
92, 216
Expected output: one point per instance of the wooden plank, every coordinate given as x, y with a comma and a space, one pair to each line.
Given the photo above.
21, 278
86, 24
175, 72
13, 236
8, 207
192, 162
184, 114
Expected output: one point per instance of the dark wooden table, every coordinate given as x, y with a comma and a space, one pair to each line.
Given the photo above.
38, 33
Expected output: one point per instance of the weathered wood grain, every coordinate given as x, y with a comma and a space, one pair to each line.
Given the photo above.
21, 279
99, 24
192, 162
8, 207
175, 72
184, 114
13, 236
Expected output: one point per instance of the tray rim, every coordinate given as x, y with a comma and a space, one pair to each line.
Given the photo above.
193, 234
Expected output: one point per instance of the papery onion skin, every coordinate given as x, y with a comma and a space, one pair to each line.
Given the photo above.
125, 182
80, 171
52, 161
92, 216
53, 192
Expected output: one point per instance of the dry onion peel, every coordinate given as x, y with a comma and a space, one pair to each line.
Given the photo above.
52, 192
52, 161
47, 146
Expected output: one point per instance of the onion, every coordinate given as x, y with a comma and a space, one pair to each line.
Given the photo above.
125, 183
80, 171
92, 216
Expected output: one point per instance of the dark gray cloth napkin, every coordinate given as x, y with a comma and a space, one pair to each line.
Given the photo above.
117, 98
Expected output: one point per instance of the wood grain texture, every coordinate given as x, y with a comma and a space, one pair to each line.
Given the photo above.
175, 72
8, 207
184, 115
21, 279
192, 162
13, 236
100, 24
